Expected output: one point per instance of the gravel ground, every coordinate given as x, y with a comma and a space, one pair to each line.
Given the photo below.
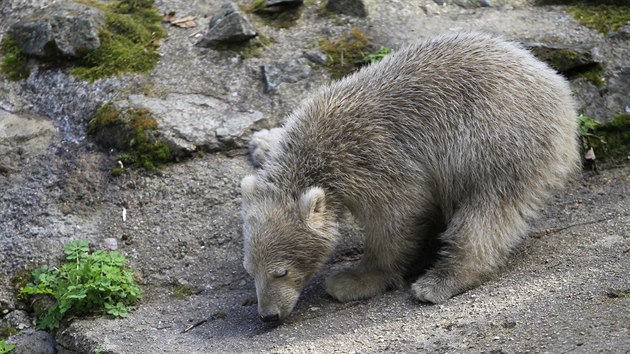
566, 289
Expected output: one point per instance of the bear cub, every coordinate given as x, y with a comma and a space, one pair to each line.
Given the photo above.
466, 126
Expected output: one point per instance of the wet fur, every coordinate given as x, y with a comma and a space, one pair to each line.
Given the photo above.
465, 127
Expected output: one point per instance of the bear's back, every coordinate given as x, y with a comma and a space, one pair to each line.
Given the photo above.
468, 110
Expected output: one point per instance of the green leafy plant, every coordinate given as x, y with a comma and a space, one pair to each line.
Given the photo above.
587, 126
377, 56
5, 347
86, 283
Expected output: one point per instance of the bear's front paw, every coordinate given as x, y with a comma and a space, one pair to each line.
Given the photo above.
261, 142
355, 284
434, 289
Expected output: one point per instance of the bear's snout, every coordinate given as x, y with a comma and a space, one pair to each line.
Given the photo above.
270, 318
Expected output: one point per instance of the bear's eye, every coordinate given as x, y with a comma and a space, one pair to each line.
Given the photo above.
279, 273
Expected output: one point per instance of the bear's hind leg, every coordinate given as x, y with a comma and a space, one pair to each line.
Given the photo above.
477, 242
388, 248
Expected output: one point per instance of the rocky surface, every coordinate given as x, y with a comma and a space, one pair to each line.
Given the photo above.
564, 291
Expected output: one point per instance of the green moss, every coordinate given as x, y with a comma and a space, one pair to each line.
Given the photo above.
593, 74
133, 133
601, 17
8, 331
345, 53
14, 63
129, 40
183, 290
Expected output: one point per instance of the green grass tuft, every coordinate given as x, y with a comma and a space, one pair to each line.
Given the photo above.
129, 40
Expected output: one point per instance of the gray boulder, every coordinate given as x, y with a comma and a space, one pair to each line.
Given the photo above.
32, 342
357, 8
228, 26
68, 29
195, 122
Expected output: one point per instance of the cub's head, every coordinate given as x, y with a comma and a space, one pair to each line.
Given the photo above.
286, 239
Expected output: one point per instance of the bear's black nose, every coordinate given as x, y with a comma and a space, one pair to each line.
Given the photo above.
270, 318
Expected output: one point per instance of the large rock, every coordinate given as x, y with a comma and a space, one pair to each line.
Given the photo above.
228, 26
191, 122
357, 8
22, 138
32, 342
69, 29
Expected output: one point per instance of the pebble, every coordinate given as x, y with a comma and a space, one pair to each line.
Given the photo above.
110, 244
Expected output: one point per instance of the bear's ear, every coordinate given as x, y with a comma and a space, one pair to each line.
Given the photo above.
249, 185
312, 204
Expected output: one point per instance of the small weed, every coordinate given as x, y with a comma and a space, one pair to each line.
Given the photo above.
14, 63
86, 283
377, 56
345, 53
5, 347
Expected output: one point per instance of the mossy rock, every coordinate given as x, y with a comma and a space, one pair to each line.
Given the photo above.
133, 134
571, 61
129, 43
